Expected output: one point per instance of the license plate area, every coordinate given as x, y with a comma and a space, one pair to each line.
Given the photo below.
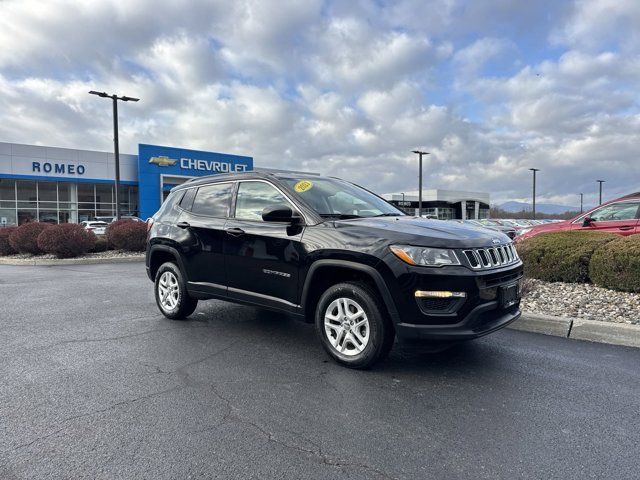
509, 295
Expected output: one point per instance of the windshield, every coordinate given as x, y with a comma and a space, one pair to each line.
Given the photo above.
336, 198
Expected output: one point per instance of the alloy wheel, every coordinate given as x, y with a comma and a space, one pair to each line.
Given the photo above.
168, 291
346, 326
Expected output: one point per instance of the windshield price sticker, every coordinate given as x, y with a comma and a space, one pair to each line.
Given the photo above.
303, 186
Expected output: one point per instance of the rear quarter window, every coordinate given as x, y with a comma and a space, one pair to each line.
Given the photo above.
167, 210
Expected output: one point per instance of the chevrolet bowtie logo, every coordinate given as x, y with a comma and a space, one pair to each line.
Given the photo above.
163, 161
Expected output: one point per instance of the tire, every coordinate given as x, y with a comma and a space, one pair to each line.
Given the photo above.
177, 303
360, 347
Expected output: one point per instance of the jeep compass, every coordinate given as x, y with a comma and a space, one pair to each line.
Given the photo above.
334, 254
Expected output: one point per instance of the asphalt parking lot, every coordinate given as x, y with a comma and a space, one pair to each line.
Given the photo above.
95, 383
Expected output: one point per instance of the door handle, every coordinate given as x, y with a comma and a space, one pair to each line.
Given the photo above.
235, 232
625, 227
183, 224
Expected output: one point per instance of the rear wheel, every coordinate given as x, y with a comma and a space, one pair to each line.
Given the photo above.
353, 326
171, 293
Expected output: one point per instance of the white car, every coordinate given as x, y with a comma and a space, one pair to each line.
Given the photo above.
99, 228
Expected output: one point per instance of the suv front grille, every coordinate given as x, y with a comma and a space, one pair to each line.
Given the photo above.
490, 257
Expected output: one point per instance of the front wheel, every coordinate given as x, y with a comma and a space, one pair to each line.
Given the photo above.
171, 293
353, 326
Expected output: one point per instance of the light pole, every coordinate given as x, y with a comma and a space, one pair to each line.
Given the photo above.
534, 170
116, 146
420, 154
600, 182
581, 198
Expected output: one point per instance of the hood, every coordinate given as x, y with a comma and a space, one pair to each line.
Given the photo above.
426, 233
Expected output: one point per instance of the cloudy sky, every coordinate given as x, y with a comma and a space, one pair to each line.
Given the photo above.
348, 88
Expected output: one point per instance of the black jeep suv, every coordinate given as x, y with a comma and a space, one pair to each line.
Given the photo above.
331, 253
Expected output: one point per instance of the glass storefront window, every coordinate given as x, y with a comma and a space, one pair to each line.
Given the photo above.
27, 215
48, 216
86, 193
47, 192
104, 193
7, 217
7, 189
27, 191
84, 215
64, 192
57, 202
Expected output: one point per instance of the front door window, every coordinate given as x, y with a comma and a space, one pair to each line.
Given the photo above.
253, 197
615, 212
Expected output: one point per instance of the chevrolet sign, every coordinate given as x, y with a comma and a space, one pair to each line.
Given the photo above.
211, 165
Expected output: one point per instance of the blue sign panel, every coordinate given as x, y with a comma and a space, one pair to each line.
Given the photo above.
159, 167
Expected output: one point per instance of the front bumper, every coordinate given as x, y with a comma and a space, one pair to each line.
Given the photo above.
481, 312
482, 320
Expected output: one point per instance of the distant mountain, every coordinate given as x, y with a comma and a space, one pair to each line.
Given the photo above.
550, 208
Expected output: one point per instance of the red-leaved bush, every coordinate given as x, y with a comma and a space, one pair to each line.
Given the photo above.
127, 235
5, 246
24, 239
66, 240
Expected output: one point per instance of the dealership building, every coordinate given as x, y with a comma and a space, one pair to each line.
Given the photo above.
443, 204
58, 185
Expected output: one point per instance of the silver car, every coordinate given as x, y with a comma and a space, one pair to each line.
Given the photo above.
99, 228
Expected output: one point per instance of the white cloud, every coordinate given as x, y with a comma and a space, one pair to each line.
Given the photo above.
343, 88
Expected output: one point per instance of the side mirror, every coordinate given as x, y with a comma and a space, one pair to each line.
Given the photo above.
587, 221
279, 213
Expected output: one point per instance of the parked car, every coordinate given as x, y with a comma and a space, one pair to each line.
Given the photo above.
334, 254
508, 231
99, 228
619, 216
111, 219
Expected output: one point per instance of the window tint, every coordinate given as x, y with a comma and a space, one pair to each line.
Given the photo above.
213, 200
187, 199
253, 197
617, 211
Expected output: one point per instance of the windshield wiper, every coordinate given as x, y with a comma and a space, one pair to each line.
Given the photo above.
339, 216
389, 215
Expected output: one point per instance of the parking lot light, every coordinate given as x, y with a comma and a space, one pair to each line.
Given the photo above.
116, 147
600, 198
534, 170
420, 154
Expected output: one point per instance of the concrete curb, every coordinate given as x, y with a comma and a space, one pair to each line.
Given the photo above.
579, 329
70, 261
603, 332
545, 324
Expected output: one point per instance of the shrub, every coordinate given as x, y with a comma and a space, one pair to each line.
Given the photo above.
24, 239
101, 244
66, 240
561, 256
5, 246
616, 265
127, 235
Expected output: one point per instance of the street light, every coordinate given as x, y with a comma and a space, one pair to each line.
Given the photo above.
534, 170
116, 148
420, 154
581, 197
600, 182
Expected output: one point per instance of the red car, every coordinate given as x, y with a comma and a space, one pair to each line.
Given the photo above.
619, 216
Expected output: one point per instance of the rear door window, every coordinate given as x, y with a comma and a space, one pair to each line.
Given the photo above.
213, 200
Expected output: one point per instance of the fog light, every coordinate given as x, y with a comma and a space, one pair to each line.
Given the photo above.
439, 294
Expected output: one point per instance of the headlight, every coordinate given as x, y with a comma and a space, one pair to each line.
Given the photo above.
523, 231
424, 256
